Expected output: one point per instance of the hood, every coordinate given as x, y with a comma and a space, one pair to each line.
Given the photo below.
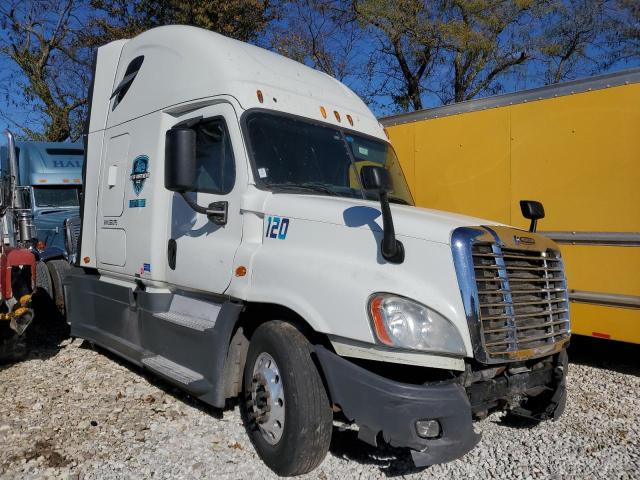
416, 222
50, 225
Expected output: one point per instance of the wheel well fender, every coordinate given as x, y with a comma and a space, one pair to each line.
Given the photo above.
51, 253
252, 316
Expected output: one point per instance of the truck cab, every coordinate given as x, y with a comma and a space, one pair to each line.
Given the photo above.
49, 179
247, 231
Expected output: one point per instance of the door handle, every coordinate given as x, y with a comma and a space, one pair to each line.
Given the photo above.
172, 250
217, 212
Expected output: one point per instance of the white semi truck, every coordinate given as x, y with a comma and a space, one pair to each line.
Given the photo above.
247, 230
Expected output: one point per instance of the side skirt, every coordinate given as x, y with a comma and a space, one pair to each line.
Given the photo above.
184, 340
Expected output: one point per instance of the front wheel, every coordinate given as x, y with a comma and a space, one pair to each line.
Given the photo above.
287, 412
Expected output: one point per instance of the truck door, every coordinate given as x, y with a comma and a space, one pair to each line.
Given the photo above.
111, 241
200, 253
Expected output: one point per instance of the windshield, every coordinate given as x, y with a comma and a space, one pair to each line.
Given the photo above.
57, 196
295, 155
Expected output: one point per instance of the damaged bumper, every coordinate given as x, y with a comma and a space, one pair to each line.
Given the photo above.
378, 405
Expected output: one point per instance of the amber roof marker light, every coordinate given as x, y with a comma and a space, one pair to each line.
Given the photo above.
323, 112
259, 95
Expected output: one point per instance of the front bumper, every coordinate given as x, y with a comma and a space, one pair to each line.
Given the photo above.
377, 404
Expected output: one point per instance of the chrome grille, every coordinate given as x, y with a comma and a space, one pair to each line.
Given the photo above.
522, 299
72, 228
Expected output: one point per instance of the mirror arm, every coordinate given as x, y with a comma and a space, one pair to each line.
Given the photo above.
391, 248
217, 212
534, 225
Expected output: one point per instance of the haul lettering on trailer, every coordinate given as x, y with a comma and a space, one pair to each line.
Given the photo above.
277, 227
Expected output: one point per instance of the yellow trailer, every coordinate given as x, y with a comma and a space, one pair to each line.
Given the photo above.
576, 148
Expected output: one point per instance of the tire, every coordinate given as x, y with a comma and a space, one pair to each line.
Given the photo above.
308, 419
43, 279
58, 268
42, 302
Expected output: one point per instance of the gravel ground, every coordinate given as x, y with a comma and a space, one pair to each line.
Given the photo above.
69, 411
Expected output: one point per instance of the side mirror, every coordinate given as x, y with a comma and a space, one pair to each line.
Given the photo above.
180, 160
180, 172
376, 178
533, 211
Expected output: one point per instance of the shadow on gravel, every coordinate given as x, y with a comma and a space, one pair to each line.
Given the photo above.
392, 462
513, 421
47, 330
606, 354
158, 382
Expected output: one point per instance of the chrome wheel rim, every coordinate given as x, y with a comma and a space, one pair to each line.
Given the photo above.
267, 398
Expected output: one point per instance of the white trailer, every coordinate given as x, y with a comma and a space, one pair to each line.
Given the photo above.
247, 230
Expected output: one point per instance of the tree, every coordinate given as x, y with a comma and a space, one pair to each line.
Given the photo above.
483, 41
407, 47
573, 42
454, 49
320, 33
627, 29
116, 19
38, 37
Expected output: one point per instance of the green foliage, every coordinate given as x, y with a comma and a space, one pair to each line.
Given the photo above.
51, 48
39, 39
408, 39
394, 53
570, 31
240, 19
483, 40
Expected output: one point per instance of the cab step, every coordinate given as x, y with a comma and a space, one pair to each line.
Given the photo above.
190, 313
183, 376
186, 320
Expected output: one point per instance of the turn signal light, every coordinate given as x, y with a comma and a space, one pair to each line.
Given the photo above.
40, 245
378, 322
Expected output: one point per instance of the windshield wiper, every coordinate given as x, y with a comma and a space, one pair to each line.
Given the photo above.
306, 187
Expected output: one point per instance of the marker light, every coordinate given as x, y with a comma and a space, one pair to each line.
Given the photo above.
86, 259
40, 245
335, 112
404, 323
323, 112
241, 271
350, 120
260, 97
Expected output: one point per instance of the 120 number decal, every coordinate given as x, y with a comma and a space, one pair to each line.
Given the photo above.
277, 227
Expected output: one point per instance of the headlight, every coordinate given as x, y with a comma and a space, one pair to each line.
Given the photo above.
401, 322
